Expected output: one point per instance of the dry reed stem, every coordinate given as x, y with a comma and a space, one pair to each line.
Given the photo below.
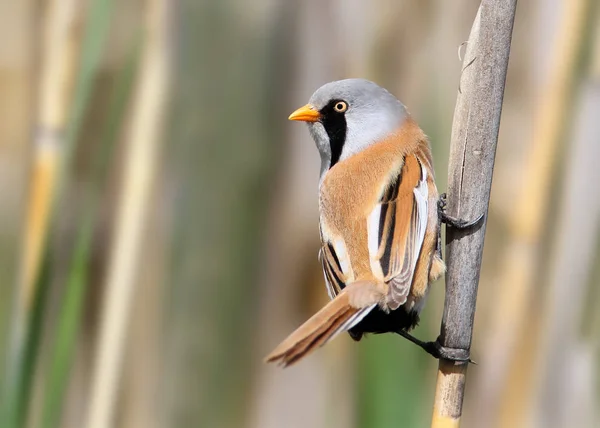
472, 153
564, 364
446, 409
57, 81
56, 84
595, 66
143, 137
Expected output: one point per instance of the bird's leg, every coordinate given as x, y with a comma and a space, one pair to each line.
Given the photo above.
438, 351
454, 222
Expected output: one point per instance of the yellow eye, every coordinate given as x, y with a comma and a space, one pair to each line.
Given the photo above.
340, 107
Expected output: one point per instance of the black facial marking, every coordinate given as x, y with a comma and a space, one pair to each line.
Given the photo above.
335, 125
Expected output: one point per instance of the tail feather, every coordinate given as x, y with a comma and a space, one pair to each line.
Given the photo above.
340, 314
312, 342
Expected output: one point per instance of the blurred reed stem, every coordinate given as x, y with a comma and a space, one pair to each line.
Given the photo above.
513, 325
59, 59
64, 96
591, 320
59, 54
62, 354
143, 137
562, 352
222, 156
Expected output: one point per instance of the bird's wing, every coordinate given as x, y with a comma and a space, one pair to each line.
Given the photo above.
335, 280
332, 269
396, 228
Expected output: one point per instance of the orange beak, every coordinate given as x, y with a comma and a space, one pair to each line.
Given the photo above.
306, 113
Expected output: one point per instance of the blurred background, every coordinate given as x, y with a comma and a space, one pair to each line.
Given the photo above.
158, 223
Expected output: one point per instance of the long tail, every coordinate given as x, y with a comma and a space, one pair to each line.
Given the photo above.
339, 315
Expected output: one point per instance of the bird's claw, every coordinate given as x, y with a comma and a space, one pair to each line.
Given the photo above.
453, 221
442, 202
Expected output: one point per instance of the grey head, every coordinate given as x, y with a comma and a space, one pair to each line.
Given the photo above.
346, 116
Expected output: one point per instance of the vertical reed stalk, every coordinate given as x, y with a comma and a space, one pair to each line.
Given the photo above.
58, 65
513, 326
562, 352
472, 154
140, 168
70, 318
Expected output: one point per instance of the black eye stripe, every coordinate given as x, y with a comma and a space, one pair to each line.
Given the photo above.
335, 125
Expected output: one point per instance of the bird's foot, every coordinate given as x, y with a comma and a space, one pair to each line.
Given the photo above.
438, 351
453, 221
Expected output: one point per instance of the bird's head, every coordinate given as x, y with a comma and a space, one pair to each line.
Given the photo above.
346, 116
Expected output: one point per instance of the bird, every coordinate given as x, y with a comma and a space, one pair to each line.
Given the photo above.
379, 217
